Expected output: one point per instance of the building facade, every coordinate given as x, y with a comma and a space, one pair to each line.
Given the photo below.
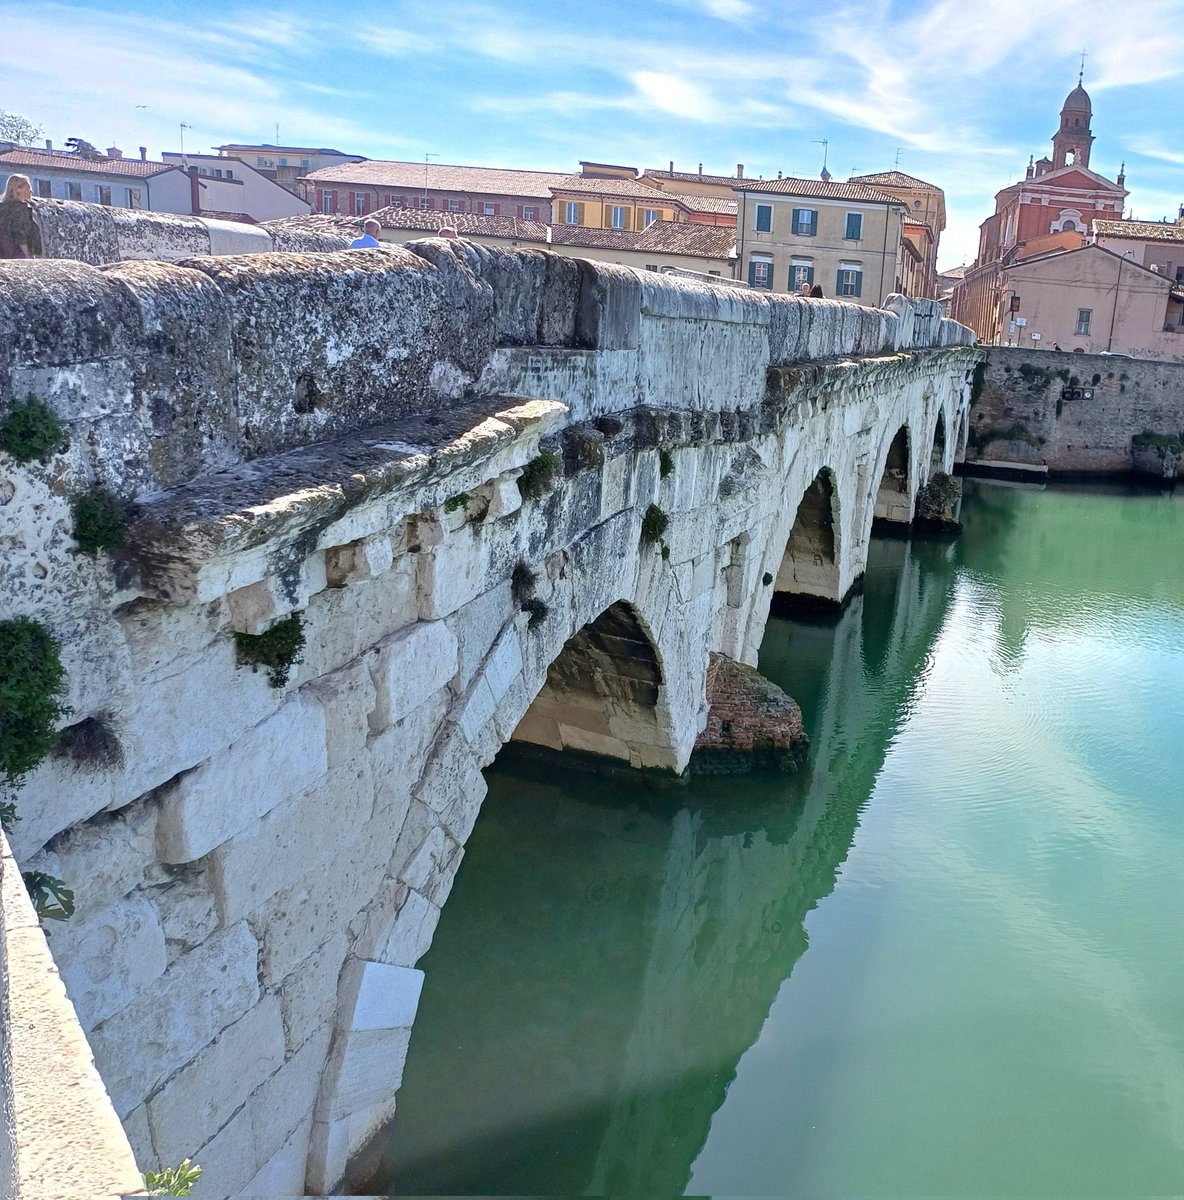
603, 196
358, 188
1053, 206
111, 179
926, 219
232, 186
844, 237
286, 165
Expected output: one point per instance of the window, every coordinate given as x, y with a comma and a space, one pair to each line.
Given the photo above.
850, 279
425, 203
134, 197
1083, 319
326, 202
73, 191
715, 273
572, 214
651, 266
305, 164
260, 161
801, 270
283, 162
805, 222
764, 218
618, 216
229, 174
854, 230
760, 272
649, 216
103, 193
359, 203
44, 188
489, 210
529, 212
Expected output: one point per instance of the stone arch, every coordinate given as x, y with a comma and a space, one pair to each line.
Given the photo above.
893, 503
937, 453
963, 434
810, 564
602, 695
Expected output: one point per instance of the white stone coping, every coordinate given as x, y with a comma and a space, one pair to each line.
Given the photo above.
66, 1140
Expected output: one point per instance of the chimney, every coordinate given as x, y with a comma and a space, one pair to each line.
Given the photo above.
114, 152
48, 144
739, 170
700, 170
1121, 181
194, 192
143, 153
672, 166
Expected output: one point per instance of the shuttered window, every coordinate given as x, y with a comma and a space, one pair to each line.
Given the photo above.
805, 222
849, 281
801, 270
854, 230
760, 273
764, 218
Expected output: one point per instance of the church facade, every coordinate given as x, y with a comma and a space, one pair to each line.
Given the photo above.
1051, 209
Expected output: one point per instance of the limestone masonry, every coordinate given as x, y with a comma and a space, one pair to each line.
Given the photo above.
509, 495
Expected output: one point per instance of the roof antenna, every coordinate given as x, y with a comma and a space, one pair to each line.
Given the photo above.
825, 144
1081, 72
899, 152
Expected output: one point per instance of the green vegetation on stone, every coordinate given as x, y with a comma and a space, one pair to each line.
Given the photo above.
100, 520
52, 899
460, 500
277, 649
653, 524
665, 463
538, 611
172, 1181
31, 431
539, 475
32, 679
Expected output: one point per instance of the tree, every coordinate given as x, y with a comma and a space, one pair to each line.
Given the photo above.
15, 128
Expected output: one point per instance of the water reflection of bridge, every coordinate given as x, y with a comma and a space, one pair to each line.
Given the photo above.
603, 965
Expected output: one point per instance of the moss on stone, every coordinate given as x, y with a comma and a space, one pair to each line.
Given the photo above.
539, 475
538, 611
460, 500
653, 525
665, 463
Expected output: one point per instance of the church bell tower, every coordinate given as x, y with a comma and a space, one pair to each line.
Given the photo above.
1072, 141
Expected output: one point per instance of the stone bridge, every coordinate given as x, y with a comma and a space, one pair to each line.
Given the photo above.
501, 495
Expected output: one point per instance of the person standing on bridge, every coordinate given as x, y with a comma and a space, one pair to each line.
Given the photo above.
370, 231
19, 235
816, 292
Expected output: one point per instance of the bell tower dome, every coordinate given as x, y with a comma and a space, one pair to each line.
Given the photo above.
1072, 141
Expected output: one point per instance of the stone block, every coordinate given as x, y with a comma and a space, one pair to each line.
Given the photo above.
191, 1108
451, 574
452, 772
307, 830
376, 995
139, 1137
476, 722
187, 911
227, 1160
505, 497
364, 1069
110, 852
398, 755
421, 866
409, 667
504, 664
107, 958
201, 994
412, 932
283, 755
283, 1174
477, 626
288, 1098
309, 994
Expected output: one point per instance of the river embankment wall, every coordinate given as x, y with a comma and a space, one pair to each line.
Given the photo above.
1078, 414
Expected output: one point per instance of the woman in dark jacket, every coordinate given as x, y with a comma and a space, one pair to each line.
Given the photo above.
19, 235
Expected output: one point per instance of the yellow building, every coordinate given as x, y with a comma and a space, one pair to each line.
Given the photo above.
924, 223
844, 237
604, 196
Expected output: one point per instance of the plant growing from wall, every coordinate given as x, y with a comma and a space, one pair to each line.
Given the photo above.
767, 578
52, 899
538, 611
100, 520
1173, 443
173, 1181
277, 649
653, 525
665, 463
31, 431
539, 475
522, 581
32, 679
460, 500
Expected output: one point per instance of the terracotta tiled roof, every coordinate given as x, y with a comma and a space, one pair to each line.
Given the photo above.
598, 186
432, 222
711, 204
893, 179
817, 188
694, 177
441, 177
52, 160
659, 237
1145, 231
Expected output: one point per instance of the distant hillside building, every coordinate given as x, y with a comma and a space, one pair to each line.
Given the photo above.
1051, 208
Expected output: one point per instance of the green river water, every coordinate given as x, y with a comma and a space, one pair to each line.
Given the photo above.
944, 959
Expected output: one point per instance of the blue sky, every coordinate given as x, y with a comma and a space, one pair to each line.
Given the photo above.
961, 91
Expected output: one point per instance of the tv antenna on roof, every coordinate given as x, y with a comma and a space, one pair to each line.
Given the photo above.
899, 152
183, 128
825, 144
1081, 71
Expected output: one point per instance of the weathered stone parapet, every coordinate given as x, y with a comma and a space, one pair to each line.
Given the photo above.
751, 723
61, 1139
